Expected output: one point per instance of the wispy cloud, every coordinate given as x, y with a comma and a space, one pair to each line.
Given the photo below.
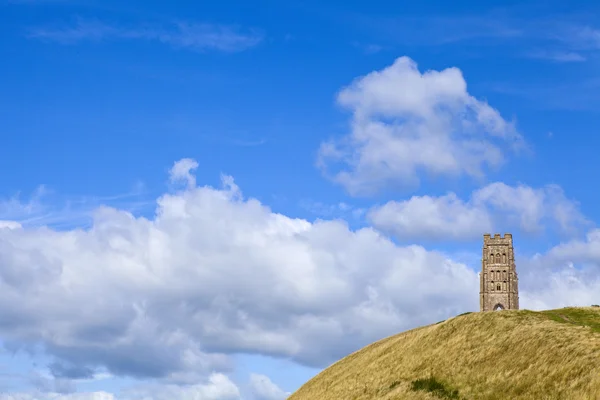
557, 56
583, 37
45, 208
334, 210
519, 30
370, 48
582, 94
34, 1
247, 143
438, 30
193, 36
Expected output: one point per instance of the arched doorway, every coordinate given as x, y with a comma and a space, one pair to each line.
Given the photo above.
498, 307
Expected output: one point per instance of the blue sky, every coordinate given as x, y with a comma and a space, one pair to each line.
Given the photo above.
239, 194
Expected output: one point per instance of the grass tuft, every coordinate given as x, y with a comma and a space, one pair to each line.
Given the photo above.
435, 387
394, 384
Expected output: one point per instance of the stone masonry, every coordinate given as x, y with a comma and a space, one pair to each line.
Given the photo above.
499, 289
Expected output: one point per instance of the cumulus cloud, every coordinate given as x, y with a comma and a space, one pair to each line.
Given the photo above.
427, 217
405, 122
58, 396
9, 224
46, 384
578, 251
182, 172
212, 274
263, 389
218, 387
568, 274
495, 207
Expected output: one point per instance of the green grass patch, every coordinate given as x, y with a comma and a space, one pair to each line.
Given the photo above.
575, 316
435, 387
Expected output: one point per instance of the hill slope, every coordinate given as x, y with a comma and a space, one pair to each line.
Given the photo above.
522, 354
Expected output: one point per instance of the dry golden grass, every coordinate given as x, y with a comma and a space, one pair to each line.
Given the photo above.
514, 355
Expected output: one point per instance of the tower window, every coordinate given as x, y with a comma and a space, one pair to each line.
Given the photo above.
504, 258
491, 258
498, 287
498, 258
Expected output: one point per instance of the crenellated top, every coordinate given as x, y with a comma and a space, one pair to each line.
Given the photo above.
497, 239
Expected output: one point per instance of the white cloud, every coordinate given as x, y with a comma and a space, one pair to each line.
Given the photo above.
405, 122
193, 36
577, 251
57, 396
9, 224
14, 208
264, 389
218, 387
567, 286
557, 56
338, 210
566, 275
213, 274
425, 217
43, 207
531, 207
182, 172
495, 207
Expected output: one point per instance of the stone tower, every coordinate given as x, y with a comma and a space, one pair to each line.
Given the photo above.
499, 289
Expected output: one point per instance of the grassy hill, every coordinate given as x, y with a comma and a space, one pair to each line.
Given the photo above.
512, 355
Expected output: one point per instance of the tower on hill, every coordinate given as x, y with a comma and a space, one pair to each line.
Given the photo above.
499, 285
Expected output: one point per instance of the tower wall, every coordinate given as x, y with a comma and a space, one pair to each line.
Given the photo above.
498, 278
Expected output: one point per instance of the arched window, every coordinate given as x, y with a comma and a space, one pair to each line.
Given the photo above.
504, 258
492, 286
504, 286
498, 288
491, 258
498, 258
504, 275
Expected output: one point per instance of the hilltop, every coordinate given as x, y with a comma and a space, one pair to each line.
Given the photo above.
522, 354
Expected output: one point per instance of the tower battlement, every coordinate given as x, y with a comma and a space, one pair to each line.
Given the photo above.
497, 239
499, 288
